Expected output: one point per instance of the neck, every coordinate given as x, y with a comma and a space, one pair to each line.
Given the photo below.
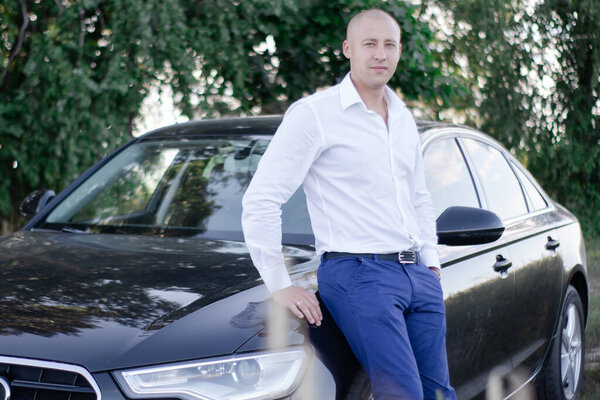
372, 97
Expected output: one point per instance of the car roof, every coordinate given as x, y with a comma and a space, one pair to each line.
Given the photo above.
259, 125
255, 125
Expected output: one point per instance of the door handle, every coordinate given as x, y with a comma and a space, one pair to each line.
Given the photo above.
502, 264
552, 244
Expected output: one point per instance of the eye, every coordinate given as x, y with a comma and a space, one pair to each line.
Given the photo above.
390, 45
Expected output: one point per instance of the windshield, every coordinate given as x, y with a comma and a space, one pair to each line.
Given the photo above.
175, 188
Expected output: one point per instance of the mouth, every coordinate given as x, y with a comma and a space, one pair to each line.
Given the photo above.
379, 68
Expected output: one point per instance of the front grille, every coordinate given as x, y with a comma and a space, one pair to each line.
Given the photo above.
42, 380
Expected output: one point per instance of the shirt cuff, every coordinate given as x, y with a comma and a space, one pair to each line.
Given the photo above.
276, 278
429, 258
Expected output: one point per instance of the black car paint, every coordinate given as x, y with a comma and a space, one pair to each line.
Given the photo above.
140, 331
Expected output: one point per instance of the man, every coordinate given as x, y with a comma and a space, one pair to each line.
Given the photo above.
355, 149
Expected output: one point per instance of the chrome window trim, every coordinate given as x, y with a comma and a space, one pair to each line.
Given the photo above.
519, 218
458, 132
55, 365
515, 164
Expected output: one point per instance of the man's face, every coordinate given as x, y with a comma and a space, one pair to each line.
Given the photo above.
373, 47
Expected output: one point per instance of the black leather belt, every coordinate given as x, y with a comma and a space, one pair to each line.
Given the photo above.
404, 257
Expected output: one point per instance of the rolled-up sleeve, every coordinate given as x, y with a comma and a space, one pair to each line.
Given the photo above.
282, 169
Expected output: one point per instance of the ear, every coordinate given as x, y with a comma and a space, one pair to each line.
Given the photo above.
346, 49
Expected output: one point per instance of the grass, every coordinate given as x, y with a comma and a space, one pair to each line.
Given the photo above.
591, 374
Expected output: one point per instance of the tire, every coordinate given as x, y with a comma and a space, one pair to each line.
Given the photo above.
562, 375
360, 389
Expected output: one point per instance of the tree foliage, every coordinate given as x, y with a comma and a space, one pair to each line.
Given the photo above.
73, 76
532, 69
306, 55
568, 156
75, 72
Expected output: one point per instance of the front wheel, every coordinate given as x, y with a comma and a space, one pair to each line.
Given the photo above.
562, 375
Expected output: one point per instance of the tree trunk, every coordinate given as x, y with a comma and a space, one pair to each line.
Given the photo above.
5, 226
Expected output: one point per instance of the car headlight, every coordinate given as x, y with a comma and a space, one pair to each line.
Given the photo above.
252, 376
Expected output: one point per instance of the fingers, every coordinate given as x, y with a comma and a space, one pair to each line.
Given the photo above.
301, 303
296, 311
311, 311
312, 304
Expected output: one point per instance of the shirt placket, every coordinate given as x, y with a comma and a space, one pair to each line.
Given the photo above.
397, 188
388, 142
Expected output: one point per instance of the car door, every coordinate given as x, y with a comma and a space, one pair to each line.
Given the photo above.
532, 244
479, 300
535, 246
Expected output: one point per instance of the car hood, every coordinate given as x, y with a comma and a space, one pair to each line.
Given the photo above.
115, 301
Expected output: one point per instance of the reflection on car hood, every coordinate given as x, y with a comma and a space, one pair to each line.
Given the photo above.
114, 301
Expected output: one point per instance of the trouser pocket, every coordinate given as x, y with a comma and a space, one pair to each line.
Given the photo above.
339, 274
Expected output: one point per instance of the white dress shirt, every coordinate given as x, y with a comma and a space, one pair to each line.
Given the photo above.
365, 186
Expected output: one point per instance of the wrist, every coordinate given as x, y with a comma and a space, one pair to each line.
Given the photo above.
437, 271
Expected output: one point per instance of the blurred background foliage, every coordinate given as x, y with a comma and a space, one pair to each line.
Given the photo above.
532, 70
75, 74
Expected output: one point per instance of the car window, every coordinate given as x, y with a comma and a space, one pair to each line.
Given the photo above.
448, 178
191, 187
500, 185
536, 200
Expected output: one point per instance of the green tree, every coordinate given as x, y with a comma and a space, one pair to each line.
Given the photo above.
569, 154
73, 76
75, 72
306, 55
532, 69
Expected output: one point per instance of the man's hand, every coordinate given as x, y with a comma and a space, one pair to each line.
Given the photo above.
437, 272
301, 302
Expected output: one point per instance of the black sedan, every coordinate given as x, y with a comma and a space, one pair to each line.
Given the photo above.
135, 283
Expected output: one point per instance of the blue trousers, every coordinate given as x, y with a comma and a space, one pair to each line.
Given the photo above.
393, 317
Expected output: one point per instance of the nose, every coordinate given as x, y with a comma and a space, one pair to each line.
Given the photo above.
380, 53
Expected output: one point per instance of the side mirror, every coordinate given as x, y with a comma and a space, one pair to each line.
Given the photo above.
460, 226
35, 202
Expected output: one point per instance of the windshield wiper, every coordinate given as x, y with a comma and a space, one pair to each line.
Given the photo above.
72, 230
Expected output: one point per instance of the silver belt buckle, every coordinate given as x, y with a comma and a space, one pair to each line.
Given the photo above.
407, 257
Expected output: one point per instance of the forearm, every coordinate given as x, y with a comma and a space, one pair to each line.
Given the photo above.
261, 223
426, 216
280, 172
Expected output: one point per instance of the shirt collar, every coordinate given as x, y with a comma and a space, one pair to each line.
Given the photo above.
348, 93
349, 96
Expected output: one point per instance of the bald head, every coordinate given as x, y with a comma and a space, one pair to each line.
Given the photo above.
373, 47
355, 22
